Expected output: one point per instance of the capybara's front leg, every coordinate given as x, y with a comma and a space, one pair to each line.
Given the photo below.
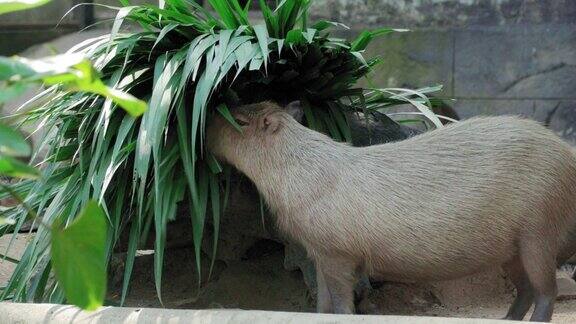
339, 278
323, 299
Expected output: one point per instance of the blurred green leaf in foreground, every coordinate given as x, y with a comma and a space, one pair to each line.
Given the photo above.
17, 5
79, 257
70, 71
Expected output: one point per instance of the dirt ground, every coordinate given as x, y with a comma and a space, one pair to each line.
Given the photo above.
15, 251
262, 283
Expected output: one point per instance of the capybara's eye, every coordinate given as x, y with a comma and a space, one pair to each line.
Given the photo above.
241, 122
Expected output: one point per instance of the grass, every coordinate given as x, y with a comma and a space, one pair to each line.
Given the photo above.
187, 62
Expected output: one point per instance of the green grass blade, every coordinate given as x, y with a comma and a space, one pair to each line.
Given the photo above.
168, 28
262, 35
130, 257
225, 112
118, 21
224, 10
216, 204
338, 115
198, 219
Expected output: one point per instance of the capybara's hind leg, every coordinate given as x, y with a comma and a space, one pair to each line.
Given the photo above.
568, 248
539, 260
362, 301
339, 277
524, 294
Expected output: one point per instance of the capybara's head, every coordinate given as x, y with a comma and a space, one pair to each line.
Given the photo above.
262, 125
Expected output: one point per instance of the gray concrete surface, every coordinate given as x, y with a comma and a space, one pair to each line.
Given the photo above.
47, 313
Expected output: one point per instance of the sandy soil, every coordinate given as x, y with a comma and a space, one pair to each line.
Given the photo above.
262, 283
15, 251
564, 313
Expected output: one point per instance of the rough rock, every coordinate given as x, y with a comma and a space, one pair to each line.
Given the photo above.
515, 62
539, 110
566, 287
377, 128
444, 13
412, 60
49, 14
558, 115
563, 120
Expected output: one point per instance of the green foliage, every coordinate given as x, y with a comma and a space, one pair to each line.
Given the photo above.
78, 251
79, 257
5, 221
7, 6
366, 37
12, 143
12, 146
11, 167
187, 64
70, 72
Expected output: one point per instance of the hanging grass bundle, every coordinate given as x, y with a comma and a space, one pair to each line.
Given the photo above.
187, 62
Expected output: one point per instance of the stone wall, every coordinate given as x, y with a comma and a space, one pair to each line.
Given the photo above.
22, 29
445, 13
492, 56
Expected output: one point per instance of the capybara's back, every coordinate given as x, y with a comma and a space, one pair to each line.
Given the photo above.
480, 193
455, 200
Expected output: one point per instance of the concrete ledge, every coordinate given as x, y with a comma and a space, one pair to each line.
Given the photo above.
48, 313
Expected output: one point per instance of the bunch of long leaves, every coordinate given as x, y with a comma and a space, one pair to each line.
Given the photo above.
187, 62
78, 256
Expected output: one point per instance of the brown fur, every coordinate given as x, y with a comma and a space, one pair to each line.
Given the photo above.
454, 201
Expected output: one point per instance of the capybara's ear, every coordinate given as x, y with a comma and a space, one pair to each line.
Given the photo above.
270, 123
295, 110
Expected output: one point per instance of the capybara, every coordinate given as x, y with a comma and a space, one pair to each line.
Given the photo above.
448, 203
